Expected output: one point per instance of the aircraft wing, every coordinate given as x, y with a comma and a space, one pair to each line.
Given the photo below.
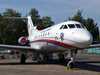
26, 48
94, 46
18, 48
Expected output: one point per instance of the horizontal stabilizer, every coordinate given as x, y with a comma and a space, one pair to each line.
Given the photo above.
22, 18
14, 18
30, 26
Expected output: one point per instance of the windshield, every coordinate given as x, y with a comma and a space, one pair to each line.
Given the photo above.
71, 25
82, 26
78, 26
62, 27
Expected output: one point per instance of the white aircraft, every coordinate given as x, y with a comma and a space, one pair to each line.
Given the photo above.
66, 36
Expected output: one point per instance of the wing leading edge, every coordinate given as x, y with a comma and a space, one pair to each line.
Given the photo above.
94, 46
18, 48
25, 48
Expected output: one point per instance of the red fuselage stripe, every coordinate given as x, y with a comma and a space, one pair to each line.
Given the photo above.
57, 42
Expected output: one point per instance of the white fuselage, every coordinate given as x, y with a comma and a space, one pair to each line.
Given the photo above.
55, 38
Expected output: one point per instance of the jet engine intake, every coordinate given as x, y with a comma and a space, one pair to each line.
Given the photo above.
22, 40
38, 27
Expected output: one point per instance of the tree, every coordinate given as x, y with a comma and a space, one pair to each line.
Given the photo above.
13, 29
34, 14
1, 29
47, 23
11, 13
78, 17
89, 23
92, 27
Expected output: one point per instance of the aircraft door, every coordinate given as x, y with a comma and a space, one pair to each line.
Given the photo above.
56, 37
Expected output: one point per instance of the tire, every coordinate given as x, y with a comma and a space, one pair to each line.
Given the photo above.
22, 59
45, 57
40, 58
61, 58
71, 65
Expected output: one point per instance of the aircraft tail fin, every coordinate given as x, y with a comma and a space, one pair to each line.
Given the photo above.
30, 25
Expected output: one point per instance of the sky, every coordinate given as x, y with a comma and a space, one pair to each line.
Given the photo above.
58, 10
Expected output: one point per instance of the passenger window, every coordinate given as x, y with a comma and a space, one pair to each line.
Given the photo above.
45, 34
48, 33
65, 27
71, 25
62, 27
78, 26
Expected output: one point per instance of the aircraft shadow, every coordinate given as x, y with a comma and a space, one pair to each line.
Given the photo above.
84, 65
88, 65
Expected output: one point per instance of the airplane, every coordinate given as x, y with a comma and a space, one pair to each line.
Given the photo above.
8, 52
68, 36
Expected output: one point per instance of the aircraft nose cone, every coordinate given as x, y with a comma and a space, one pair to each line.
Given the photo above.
87, 39
84, 38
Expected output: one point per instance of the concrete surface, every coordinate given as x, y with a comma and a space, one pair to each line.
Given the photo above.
84, 64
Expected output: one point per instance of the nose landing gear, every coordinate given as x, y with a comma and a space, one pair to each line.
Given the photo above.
71, 63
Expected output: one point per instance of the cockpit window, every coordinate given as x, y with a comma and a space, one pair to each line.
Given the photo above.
61, 26
65, 27
71, 25
82, 26
78, 26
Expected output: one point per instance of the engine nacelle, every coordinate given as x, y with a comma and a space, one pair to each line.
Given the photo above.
35, 56
38, 27
22, 40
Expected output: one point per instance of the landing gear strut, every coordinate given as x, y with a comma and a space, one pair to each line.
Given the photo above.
22, 59
61, 58
71, 63
45, 57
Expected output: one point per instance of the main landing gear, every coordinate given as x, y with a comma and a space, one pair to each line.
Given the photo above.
47, 57
61, 58
23, 58
71, 63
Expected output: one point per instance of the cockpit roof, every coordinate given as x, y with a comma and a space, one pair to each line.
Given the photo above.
71, 24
